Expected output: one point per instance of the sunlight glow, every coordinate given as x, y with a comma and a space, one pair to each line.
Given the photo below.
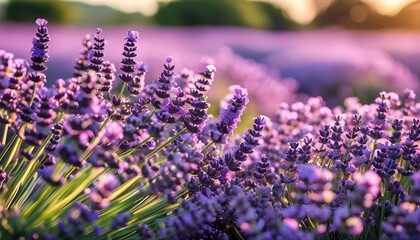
388, 7
302, 11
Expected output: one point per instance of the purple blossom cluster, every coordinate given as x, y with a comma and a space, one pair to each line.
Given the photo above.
149, 162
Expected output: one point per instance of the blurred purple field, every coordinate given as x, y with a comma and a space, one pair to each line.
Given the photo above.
275, 66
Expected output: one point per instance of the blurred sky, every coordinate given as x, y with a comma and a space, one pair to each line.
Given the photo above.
302, 11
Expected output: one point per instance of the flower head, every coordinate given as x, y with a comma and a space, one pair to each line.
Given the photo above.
132, 36
41, 22
39, 51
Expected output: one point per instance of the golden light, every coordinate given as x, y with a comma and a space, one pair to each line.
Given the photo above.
301, 11
388, 7
304, 11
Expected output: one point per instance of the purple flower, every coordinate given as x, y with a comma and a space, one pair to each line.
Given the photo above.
169, 59
230, 114
263, 165
47, 173
87, 214
46, 112
39, 51
107, 184
403, 222
145, 232
82, 63
55, 139
196, 118
128, 63
107, 76
120, 221
41, 22
97, 53
354, 226
164, 84
69, 155
251, 140
137, 85
3, 178
132, 36
291, 223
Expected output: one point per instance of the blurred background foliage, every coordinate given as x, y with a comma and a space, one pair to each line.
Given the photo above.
67, 12
348, 14
223, 12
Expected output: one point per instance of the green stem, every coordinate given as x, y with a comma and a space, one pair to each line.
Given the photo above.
105, 122
289, 196
384, 197
238, 234
6, 149
66, 195
207, 147
4, 134
22, 179
41, 198
33, 94
322, 160
16, 141
336, 179
122, 90
346, 154
150, 115
312, 224
372, 154
27, 191
16, 183
128, 152
158, 149
16, 145
365, 233
92, 144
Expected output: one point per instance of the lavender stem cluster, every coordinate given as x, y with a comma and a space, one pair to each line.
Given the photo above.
79, 161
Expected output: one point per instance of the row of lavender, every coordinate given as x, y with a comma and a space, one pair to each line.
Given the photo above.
149, 161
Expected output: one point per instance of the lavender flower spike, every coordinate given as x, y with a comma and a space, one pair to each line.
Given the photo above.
41, 22
133, 36
39, 51
230, 114
97, 53
129, 64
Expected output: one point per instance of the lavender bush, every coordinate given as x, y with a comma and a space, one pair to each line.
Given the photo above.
80, 159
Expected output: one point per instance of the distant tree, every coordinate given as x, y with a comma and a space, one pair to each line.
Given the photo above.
28, 10
222, 12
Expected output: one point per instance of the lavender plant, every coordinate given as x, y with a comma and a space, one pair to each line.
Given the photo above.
148, 162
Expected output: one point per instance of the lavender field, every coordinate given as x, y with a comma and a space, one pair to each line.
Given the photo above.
208, 133
334, 64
